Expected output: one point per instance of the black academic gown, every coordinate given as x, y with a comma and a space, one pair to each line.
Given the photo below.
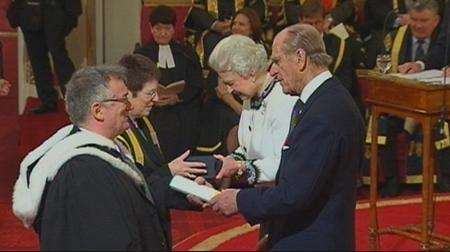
91, 205
143, 146
351, 60
176, 125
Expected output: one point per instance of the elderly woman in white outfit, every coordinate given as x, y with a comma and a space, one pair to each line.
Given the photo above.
242, 65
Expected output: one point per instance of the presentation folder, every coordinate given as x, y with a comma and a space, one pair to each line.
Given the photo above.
213, 165
187, 186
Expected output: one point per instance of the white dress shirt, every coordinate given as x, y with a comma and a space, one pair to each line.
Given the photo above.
263, 131
314, 84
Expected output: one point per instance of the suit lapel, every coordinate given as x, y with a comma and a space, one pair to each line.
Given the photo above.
328, 83
406, 50
317, 93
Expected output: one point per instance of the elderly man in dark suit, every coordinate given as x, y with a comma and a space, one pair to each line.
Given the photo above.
311, 207
436, 57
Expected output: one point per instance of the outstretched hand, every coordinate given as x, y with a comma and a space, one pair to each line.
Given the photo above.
185, 168
229, 167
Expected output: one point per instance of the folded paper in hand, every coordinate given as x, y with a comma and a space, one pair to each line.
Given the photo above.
188, 186
173, 88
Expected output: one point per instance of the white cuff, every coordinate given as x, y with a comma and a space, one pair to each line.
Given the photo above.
422, 65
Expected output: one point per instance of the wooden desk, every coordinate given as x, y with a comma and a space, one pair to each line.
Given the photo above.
423, 102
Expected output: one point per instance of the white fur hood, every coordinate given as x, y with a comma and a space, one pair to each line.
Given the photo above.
53, 153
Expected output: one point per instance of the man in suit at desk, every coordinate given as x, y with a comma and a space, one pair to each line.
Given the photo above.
311, 207
435, 58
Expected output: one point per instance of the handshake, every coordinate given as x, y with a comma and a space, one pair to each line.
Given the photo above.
200, 192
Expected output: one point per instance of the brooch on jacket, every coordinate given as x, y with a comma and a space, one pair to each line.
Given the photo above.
257, 102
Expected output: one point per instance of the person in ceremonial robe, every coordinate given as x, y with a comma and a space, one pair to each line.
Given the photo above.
312, 205
81, 190
435, 59
221, 109
345, 49
141, 139
337, 11
380, 18
175, 115
216, 15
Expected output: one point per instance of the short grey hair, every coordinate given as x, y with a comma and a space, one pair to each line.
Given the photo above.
239, 54
306, 37
87, 86
421, 5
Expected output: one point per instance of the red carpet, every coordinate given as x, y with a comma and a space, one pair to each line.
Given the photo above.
225, 237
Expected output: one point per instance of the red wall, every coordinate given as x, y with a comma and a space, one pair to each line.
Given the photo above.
9, 46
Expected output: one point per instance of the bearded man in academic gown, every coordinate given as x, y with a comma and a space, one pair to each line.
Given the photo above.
175, 115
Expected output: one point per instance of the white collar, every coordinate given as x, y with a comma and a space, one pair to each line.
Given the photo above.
315, 83
165, 57
426, 41
105, 141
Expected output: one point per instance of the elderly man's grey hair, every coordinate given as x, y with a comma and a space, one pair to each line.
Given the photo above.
306, 37
87, 86
239, 54
421, 5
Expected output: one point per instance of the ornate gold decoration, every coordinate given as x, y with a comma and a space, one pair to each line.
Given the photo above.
153, 3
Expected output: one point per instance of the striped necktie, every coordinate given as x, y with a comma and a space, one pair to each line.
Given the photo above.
133, 166
420, 51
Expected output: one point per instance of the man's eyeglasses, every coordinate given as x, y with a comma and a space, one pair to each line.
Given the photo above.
121, 100
152, 93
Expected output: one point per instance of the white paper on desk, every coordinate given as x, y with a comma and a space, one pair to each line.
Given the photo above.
188, 186
423, 76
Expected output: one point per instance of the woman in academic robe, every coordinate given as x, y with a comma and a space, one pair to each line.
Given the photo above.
175, 115
141, 139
